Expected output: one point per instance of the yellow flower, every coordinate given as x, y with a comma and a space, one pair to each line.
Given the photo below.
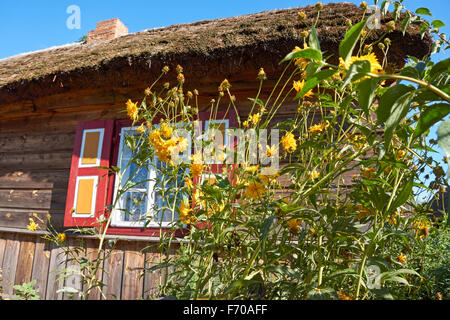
294, 225
268, 178
245, 124
132, 110
166, 131
251, 169
300, 62
343, 296
422, 228
400, 154
298, 86
375, 66
254, 190
61, 237
254, 118
196, 168
148, 92
313, 175
368, 173
401, 258
180, 77
188, 183
32, 226
319, 128
141, 129
186, 213
289, 143
271, 150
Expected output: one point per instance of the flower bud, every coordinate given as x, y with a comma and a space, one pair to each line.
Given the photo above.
387, 42
262, 74
348, 22
166, 69
304, 34
364, 5
319, 6
301, 16
381, 46
390, 26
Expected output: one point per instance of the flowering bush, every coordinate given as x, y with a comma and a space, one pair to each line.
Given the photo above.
309, 230
338, 218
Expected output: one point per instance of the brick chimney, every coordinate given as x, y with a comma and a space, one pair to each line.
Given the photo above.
107, 30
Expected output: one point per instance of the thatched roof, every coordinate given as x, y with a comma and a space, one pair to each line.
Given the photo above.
222, 47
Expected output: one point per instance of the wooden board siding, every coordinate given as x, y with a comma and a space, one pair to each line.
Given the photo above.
27, 257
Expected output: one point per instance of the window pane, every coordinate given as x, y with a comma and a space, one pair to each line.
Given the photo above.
136, 204
166, 196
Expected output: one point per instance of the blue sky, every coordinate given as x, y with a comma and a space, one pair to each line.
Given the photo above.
33, 25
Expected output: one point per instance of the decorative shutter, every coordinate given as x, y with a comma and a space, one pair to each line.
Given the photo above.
88, 184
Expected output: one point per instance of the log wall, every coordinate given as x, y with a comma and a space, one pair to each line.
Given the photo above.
27, 257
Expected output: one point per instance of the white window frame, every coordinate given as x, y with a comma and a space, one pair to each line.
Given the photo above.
116, 220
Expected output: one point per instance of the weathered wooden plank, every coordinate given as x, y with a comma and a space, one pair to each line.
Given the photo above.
42, 199
2, 252
19, 218
133, 283
56, 122
28, 161
57, 262
73, 281
152, 280
25, 262
113, 274
30, 142
40, 265
10, 259
34, 179
93, 256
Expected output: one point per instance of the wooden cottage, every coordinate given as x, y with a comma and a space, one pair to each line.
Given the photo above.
61, 100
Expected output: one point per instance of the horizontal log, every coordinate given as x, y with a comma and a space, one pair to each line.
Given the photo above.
26, 161
19, 218
34, 142
34, 179
41, 199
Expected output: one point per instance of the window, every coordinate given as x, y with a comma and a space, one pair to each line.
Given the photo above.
142, 204
92, 188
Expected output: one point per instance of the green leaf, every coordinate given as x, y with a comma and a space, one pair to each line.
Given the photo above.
351, 38
315, 80
405, 23
444, 141
432, 115
439, 68
424, 11
357, 70
314, 39
388, 99
308, 53
366, 93
399, 110
404, 195
265, 227
437, 24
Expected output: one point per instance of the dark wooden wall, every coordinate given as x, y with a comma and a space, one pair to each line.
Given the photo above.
26, 257
36, 145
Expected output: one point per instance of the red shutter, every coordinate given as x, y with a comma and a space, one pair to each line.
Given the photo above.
87, 190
